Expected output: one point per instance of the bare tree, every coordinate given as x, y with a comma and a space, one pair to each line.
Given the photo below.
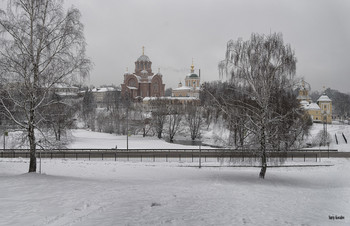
88, 109
264, 66
60, 116
193, 114
159, 114
41, 46
174, 118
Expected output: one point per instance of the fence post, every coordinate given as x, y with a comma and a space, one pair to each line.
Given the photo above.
115, 156
154, 157
89, 155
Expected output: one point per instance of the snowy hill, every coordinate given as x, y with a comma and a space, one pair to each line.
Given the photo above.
332, 129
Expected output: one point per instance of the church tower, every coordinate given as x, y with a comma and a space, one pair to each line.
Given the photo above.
325, 104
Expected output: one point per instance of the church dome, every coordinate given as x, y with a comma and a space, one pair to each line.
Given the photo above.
143, 58
193, 75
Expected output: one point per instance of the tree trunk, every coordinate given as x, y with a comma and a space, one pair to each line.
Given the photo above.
263, 153
59, 134
31, 136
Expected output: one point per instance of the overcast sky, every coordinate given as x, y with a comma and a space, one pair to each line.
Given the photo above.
174, 32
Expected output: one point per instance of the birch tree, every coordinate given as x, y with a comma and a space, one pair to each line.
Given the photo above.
41, 45
264, 66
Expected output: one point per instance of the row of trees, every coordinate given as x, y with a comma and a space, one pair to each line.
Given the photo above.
158, 117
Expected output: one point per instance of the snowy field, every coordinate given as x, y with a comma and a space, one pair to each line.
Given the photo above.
77, 192
88, 139
71, 192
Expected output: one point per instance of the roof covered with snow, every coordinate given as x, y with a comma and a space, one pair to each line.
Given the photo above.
64, 86
312, 106
324, 98
304, 102
104, 89
170, 98
182, 88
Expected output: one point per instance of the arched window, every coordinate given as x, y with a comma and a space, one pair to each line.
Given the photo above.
132, 83
155, 87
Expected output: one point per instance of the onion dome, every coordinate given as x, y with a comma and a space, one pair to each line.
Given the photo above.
143, 58
160, 74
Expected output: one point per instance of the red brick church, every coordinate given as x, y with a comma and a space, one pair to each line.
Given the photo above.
143, 83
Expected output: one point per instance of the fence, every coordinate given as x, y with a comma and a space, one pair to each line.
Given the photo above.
167, 155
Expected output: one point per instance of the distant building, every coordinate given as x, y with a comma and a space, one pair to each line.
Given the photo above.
191, 87
65, 91
104, 95
143, 83
173, 100
320, 111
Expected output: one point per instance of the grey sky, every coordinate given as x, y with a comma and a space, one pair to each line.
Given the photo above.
175, 31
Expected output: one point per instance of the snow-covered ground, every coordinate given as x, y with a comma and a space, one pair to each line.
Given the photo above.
333, 129
74, 192
77, 192
88, 139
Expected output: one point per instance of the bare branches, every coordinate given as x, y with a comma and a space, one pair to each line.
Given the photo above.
260, 74
41, 46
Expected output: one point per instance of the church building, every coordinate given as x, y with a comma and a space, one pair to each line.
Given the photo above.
191, 87
321, 111
143, 82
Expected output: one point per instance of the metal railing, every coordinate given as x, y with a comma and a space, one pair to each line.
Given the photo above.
166, 154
